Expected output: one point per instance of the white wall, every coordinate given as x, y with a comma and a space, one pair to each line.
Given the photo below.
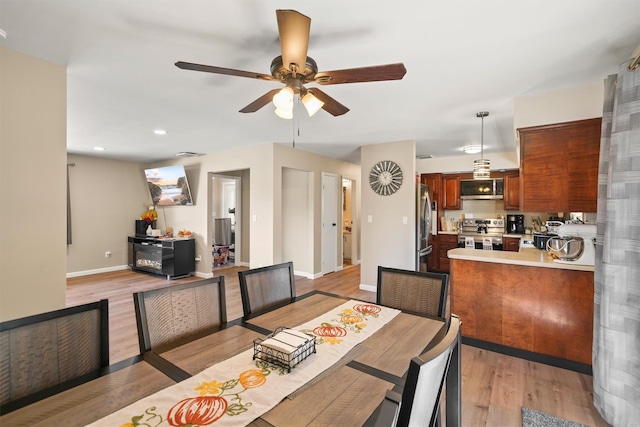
33, 185
297, 219
386, 240
558, 106
107, 197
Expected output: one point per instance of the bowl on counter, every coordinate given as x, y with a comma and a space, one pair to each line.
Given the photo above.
565, 248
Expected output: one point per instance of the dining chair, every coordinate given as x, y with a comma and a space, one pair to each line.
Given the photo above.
170, 316
416, 292
419, 402
266, 288
48, 353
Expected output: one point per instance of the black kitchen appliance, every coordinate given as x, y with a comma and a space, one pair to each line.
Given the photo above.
515, 224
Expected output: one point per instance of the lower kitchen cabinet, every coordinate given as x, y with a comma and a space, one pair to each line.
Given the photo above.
434, 256
511, 244
445, 242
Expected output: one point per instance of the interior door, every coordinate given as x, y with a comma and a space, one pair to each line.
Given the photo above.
329, 239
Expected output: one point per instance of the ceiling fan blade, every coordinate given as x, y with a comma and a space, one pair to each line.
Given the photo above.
294, 30
260, 102
375, 73
221, 70
331, 106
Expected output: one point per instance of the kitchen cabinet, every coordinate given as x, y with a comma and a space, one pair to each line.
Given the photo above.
451, 192
445, 242
433, 180
511, 244
346, 245
512, 190
559, 166
434, 256
548, 311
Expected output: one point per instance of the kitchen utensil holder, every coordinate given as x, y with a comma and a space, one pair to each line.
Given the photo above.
280, 358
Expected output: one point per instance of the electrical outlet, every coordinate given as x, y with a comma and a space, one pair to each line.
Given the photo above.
107, 254
198, 258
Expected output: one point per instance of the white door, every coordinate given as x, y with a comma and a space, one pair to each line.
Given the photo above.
329, 239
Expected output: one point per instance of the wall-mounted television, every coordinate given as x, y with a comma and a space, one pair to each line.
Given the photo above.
168, 186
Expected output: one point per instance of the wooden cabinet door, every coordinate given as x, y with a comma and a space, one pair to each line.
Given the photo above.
584, 155
433, 181
559, 167
542, 174
512, 191
511, 244
451, 192
434, 256
446, 242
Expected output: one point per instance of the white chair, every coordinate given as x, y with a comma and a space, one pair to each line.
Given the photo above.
419, 403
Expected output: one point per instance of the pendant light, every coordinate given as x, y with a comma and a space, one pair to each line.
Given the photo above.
481, 166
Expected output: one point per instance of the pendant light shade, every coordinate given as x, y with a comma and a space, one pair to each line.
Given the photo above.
482, 166
311, 103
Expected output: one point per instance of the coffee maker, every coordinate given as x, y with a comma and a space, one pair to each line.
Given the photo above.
515, 224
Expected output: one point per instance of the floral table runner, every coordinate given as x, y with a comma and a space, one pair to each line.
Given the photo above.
238, 390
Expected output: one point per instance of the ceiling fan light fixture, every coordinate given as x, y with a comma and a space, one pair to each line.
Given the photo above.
284, 114
311, 103
481, 167
283, 100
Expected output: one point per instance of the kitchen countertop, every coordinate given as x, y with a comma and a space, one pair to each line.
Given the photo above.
526, 256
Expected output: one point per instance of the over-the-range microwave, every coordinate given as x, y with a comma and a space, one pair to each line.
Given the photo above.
487, 189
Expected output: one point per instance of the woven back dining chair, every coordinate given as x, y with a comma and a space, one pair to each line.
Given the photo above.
415, 292
47, 353
265, 288
170, 316
419, 402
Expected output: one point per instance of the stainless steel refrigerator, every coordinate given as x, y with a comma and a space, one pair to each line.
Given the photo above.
423, 225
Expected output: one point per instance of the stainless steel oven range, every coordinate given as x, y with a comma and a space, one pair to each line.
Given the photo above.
480, 230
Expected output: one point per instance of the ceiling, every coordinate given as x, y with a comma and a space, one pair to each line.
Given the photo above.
462, 57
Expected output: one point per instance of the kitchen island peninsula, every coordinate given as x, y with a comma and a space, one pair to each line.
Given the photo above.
524, 304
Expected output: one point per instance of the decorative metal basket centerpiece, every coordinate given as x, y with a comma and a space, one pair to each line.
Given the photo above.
284, 347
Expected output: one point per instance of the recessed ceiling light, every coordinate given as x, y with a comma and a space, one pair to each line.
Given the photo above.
472, 149
188, 154
98, 148
160, 132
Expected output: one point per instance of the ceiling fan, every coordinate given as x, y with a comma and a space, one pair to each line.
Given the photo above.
294, 68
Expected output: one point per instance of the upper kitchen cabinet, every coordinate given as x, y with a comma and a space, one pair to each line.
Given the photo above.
451, 192
512, 190
433, 181
559, 166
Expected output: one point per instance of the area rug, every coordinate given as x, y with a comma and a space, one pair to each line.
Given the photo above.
533, 418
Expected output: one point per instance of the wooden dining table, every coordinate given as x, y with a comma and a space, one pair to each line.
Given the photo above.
347, 393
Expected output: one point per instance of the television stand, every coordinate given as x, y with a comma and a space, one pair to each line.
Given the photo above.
171, 257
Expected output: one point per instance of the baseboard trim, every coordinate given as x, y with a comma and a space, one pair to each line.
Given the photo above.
529, 355
97, 271
369, 288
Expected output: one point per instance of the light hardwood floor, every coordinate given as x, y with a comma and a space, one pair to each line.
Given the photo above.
494, 386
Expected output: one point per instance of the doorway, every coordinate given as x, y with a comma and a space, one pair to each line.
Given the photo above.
347, 222
225, 225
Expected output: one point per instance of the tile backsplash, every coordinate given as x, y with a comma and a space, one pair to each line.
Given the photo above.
495, 208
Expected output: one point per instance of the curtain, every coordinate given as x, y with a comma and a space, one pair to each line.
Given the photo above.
616, 338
